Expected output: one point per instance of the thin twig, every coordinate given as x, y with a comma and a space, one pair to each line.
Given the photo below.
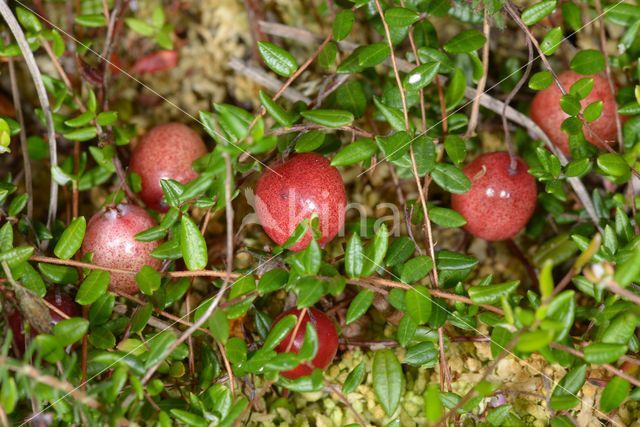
32, 66
17, 103
475, 107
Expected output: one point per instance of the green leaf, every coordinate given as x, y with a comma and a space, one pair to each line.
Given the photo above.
551, 41
148, 280
433, 407
272, 281
93, 287
354, 256
601, 353
68, 331
620, 329
455, 90
278, 113
343, 24
533, 341
538, 11
310, 141
613, 164
540, 80
445, 217
394, 116
455, 147
492, 294
593, 111
140, 27
28, 20
421, 76
415, 269
406, 330
327, 56
614, 394
309, 290
451, 178
400, 17
465, 42
571, 14
570, 105
563, 396
422, 354
279, 331
373, 54
80, 120
91, 21
418, 304
354, 379
82, 134
387, 380
582, 88
193, 245
359, 305
158, 346
351, 97
400, 250
629, 270
578, 168
562, 309
588, 61
424, 151
358, 151
394, 146
375, 251
329, 118
277, 59
71, 239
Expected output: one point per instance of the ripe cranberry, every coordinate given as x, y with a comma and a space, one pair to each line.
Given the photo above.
546, 111
166, 151
291, 191
56, 297
327, 341
110, 236
500, 201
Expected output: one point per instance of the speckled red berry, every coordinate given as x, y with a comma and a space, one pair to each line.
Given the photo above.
501, 200
327, 341
110, 237
546, 111
292, 191
166, 151
56, 297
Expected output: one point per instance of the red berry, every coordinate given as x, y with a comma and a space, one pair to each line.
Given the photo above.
291, 191
500, 201
546, 111
327, 341
110, 236
56, 297
166, 151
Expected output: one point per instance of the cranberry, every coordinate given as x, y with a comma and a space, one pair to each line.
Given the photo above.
327, 341
292, 191
56, 297
110, 237
546, 111
166, 151
501, 200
